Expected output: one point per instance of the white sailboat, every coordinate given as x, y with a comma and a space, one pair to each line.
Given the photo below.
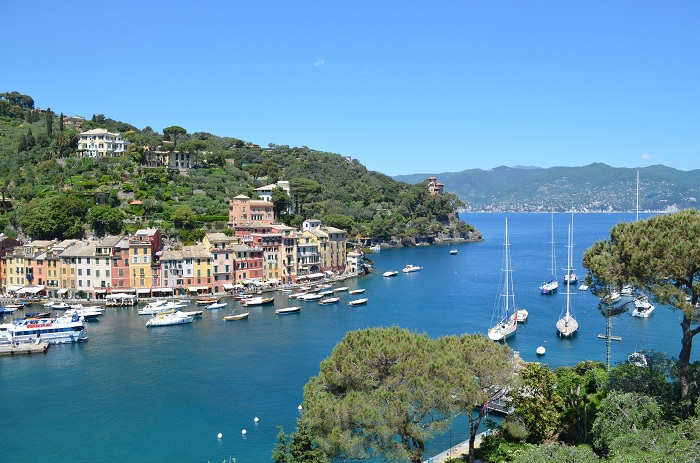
568, 325
550, 287
505, 312
571, 278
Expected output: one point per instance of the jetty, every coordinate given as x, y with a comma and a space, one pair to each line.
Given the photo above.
27, 348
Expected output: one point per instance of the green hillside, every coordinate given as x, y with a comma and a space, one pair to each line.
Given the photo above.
595, 187
40, 161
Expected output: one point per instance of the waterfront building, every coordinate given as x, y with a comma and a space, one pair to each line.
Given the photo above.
20, 265
220, 245
7, 245
201, 278
331, 245
435, 188
121, 280
270, 240
287, 252
143, 247
248, 264
308, 258
99, 143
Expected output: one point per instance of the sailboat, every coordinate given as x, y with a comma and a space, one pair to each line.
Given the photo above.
571, 278
550, 287
506, 322
568, 325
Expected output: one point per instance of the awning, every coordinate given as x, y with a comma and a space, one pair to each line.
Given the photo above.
302, 277
247, 282
227, 286
63, 290
196, 288
143, 291
100, 291
162, 290
31, 289
273, 281
315, 275
12, 289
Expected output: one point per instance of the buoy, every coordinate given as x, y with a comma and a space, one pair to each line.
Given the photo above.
256, 419
219, 435
244, 432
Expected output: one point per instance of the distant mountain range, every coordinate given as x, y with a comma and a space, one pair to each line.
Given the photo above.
593, 188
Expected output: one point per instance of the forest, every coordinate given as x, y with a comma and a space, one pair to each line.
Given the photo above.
41, 165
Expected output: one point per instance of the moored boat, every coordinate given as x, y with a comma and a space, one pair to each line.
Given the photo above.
453, 252
287, 310
506, 323
568, 325
411, 268
340, 289
119, 300
329, 300
258, 301
234, 317
642, 307
207, 300
358, 302
167, 319
357, 291
216, 305
59, 330
391, 273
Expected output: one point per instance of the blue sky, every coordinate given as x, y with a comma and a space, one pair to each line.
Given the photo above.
402, 86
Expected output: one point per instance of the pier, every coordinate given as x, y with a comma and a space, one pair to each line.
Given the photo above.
26, 348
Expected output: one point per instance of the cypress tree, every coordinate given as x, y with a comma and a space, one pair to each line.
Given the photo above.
49, 122
22, 145
30, 142
60, 123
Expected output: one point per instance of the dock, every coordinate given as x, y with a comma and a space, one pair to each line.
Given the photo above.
27, 348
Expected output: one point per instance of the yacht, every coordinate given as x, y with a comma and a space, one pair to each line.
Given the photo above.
410, 268
167, 319
59, 330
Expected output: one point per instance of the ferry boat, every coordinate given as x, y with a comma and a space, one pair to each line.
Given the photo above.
59, 330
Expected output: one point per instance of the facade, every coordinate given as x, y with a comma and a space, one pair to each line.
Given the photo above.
248, 264
220, 246
99, 143
287, 253
435, 188
243, 210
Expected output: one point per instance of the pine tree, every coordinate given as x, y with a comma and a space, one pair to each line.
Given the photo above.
280, 452
49, 122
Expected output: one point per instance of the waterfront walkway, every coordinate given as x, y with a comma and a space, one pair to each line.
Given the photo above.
455, 451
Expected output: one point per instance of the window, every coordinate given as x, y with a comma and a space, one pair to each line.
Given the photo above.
88, 272
145, 259
80, 271
135, 260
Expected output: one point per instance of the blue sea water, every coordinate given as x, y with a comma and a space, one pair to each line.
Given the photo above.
163, 394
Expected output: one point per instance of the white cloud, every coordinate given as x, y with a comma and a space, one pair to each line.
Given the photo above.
319, 62
646, 156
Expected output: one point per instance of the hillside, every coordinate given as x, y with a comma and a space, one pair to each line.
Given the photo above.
42, 169
595, 187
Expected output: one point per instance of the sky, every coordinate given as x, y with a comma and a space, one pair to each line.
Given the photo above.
402, 86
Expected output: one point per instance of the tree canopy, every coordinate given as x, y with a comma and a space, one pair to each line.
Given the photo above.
60, 216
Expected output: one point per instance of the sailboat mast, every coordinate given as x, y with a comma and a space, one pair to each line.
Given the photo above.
554, 259
569, 258
507, 270
637, 194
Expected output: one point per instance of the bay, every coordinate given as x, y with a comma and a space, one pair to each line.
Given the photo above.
132, 393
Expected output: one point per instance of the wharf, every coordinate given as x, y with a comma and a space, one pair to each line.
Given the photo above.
24, 348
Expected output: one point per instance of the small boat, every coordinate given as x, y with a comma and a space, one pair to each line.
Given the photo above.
357, 291
60, 305
216, 305
310, 297
233, 317
258, 301
86, 313
194, 313
177, 318
287, 310
358, 302
207, 300
521, 315
8, 309
642, 307
41, 315
375, 248
340, 289
550, 286
453, 252
410, 268
627, 291
583, 287
391, 273
637, 359
540, 350
329, 300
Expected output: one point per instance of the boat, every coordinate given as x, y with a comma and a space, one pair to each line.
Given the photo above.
453, 252
234, 316
60, 305
311, 297
410, 268
287, 310
258, 301
329, 300
551, 286
168, 319
627, 291
161, 306
194, 313
8, 309
642, 307
375, 248
391, 273
207, 300
567, 325
358, 302
611, 297
637, 359
59, 330
506, 322
357, 291
119, 300
583, 287
216, 305
540, 350
85, 312
340, 289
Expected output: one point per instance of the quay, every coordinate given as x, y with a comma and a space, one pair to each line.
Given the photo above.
24, 348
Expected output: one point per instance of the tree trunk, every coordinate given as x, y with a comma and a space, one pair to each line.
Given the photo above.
684, 367
473, 428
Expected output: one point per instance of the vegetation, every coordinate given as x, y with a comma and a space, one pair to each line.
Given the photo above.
39, 159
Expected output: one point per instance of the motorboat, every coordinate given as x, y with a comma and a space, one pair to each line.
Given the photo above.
60, 305
287, 310
521, 315
357, 291
453, 252
358, 302
540, 350
86, 312
329, 300
216, 305
258, 301
167, 319
410, 268
627, 291
161, 306
207, 300
340, 289
120, 300
583, 287
375, 248
310, 297
642, 307
194, 313
391, 273
234, 317
637, 359
59, 330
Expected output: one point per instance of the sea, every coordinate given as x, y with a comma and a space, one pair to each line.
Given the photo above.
192, 393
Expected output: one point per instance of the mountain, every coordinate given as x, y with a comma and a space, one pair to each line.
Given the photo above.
596, 188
